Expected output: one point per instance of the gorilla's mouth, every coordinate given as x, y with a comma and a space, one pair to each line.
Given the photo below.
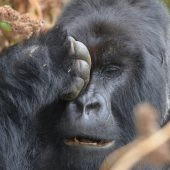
80, 141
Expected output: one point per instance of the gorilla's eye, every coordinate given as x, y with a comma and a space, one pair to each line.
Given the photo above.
111, 69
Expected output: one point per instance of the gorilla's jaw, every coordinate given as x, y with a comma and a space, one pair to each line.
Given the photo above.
82, 156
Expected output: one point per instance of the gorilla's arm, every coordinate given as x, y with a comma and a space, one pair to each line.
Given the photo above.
41, 70
32, 75
29, 77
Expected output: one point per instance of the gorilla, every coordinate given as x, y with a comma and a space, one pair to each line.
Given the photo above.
67, 96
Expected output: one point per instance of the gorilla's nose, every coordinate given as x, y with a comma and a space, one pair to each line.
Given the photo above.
89, 116
88, 106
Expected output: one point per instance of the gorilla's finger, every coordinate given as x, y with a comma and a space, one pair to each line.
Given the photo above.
82, 52
75, 89
79, 50
83, 70
72, 44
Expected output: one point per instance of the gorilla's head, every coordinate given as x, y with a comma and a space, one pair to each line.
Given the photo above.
127, 43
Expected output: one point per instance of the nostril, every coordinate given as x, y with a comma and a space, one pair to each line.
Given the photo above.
79, 106
93, 106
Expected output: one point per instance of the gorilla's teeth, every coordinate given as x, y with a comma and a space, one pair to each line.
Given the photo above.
86, 142
75, 140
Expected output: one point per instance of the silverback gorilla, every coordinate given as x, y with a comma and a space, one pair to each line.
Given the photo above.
63, 107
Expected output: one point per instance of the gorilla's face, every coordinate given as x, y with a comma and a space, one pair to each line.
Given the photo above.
91, 120
101, 118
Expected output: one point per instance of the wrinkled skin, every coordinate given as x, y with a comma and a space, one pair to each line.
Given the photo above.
67, 97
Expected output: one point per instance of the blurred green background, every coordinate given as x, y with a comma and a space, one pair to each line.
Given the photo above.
168, 3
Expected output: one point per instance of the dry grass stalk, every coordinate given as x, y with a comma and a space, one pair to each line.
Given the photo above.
35, 6
23, 24
151, 144
47, 10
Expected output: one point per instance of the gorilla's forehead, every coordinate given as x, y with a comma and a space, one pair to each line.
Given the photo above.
107, 40
120, 26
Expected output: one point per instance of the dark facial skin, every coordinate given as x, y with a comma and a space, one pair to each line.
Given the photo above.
125, 71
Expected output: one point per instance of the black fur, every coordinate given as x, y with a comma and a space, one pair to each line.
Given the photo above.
30, 79
127, 40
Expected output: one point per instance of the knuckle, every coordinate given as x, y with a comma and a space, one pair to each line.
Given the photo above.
82, 69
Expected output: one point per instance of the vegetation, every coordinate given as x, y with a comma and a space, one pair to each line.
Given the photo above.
167, 3
20, 19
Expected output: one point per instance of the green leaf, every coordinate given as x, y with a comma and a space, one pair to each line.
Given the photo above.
5, 26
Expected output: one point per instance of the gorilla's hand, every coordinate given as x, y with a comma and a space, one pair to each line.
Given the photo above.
79, 69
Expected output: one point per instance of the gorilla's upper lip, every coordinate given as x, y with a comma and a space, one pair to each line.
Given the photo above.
88, 141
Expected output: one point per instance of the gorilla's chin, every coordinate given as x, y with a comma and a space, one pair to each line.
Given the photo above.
82, 156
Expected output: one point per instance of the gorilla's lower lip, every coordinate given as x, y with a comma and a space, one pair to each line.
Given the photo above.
77, 141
